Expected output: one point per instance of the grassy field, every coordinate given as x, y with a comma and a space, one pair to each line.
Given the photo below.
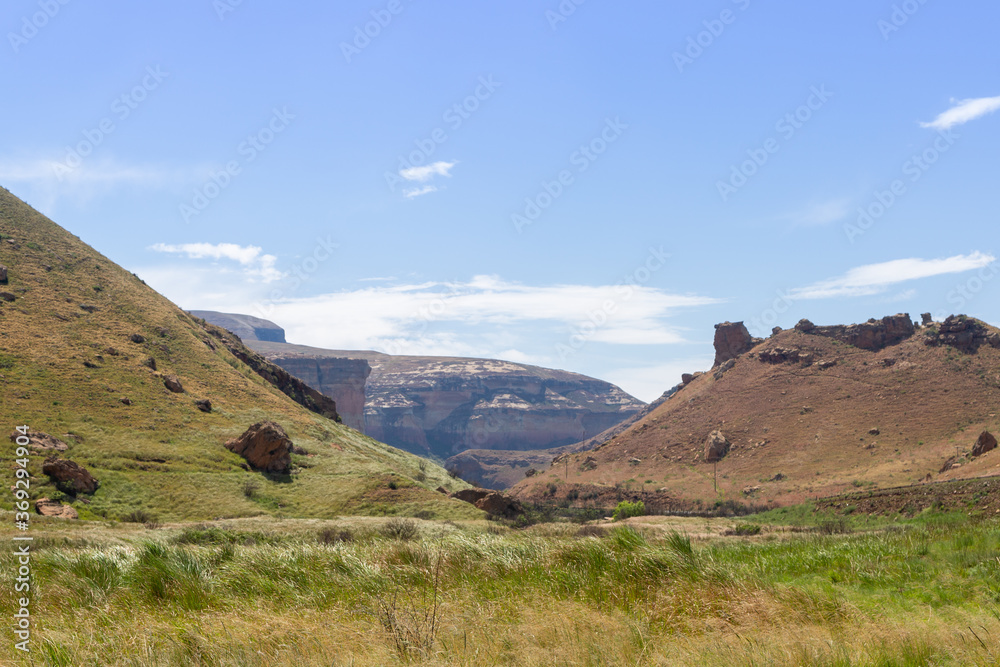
797, 589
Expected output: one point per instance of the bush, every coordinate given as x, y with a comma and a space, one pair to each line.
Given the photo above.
744, 530
400, 529
626, 509
138, 516
250, 487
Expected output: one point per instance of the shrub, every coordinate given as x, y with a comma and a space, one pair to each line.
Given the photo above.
250, 487
744, 530
626, 509
400, 529
138, 516
330, 535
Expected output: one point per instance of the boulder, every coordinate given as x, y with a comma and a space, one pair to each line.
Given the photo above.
501, 505
471, 495
731, 340
720, 371
3, 275
265, 446
716, 447
872, 335
47, 507
173, 383
961, 332
926, 319
993, 339
776, 330
41, 441
984, 443
686, 378
874, 431
125, 400
205, 405
70, 477
443, 490
805, 326
8, 297
138, 339
89, 308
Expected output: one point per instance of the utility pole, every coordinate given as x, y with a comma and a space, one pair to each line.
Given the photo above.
715, 472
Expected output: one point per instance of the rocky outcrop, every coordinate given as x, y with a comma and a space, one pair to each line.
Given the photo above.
500, 505
340, 378
716, 447
783, 355
731, 340
41, 441
8, 297
984, 443
872, 335
265, 446
291, 386
246, 327
70, 477
471, 496
54, 508
205, 405
963, 333
3, 275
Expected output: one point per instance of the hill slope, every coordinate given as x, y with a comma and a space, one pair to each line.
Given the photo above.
810, 412
84, 350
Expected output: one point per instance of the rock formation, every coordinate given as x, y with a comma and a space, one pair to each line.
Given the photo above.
70, 477
3, 275
246, 327
41, 441
173, 383
731, 340
872, 335
54, 508
501, 505
340, 378
984, 443
716, 447
961, 332
265, 446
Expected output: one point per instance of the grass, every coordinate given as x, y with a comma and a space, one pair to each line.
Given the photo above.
647, 591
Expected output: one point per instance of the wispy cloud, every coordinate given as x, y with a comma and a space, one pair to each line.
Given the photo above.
963, 111
427, 172
417, 192
822, 213
253, 260
877, 278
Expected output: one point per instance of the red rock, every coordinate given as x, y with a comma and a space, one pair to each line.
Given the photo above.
265, 446
47, 507
69, 476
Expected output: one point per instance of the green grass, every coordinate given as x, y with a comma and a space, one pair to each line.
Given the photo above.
265, 592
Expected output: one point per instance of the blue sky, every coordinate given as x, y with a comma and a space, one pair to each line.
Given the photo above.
587, 186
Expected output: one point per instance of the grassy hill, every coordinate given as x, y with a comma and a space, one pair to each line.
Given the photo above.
830, 418
70, 367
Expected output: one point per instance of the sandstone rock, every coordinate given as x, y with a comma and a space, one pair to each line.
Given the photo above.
3, 275
173, 383
344, 380
686, 378
984, 443
721, 370
716, 447
472, 496
125, 400
926, 319
994, 339
776, 330
8, 297
47, 507
41, 441
69, 476
731, 340
137, 338
826, 363
781, 355
874, 431
589, 463
265, 446
499, 504
872, 335
443, 490
89, 308
961, 332
205, 405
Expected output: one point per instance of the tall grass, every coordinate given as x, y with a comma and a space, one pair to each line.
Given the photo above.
461, 595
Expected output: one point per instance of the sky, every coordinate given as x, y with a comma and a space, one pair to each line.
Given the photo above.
581, 184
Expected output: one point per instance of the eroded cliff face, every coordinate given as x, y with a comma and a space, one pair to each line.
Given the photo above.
341, 379
444, 406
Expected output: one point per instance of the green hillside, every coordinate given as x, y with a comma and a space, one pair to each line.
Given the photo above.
70, 366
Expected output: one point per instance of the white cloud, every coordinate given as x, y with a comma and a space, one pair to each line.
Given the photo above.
876, 278
427, 172
416, 192
250, 257
963, 111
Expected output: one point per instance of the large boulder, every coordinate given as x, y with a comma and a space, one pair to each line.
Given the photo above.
265, 446
47, 507
173, 383
472, 496
984, 443
716, 447
731, 340
41, 441
69, 476
3, 275
499, 504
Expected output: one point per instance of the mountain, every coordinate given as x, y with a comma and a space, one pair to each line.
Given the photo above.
811, 411
118, 375
440, 406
